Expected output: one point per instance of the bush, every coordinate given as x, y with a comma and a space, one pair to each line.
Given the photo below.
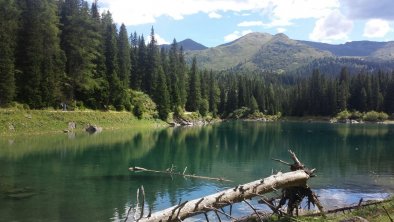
356, 115
374, 116
240, 113
147, 106
138, 110
343, 115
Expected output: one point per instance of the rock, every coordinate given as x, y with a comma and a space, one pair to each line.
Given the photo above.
333, 120
93, 129
355, 219
72, 125
11, 127
354, 121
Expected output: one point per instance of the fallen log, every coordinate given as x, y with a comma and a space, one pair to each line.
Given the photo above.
227, 197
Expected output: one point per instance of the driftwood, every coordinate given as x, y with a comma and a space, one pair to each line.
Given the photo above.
215, 202
293, 184
294, 195
171, 172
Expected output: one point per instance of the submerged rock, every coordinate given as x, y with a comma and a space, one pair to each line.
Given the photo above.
93, 129
20, 193
19, 196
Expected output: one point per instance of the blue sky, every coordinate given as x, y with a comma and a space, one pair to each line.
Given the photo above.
214, 22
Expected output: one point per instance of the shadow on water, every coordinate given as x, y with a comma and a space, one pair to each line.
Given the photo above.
84, 177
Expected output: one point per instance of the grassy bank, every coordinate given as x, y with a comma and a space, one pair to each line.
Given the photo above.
372, 213
18, 121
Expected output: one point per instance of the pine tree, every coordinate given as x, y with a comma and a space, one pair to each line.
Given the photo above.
151, 65
83, 44
174, 76
8, 29
254, 107
232, 99
213, 94
124, 56
39, 57
141, 65
162, 95
194, 96
182, 78
343, 89
133, 83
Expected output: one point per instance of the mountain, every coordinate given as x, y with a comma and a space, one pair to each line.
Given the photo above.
278, 53
187, 45
260, 51
356, 48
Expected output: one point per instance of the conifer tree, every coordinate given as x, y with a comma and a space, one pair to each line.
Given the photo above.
213, 94
343, 89
174, 76
9, 14
39, 57
194, 96
162, 95
133, 83
124, 56
83, 44
151, 65
182, 78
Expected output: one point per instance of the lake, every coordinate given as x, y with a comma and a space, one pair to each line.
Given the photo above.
82, 177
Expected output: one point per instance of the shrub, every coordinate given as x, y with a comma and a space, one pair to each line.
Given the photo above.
240, 113
374, 116
343, 115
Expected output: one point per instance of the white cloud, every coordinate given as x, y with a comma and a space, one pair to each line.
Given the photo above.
334, 26
376, 28
214, 15
160, 40
135, 12
250, 23
235, 35
280, 30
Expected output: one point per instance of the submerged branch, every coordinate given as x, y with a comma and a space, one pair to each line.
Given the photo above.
170, 172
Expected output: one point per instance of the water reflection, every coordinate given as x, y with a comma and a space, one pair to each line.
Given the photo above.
84, 177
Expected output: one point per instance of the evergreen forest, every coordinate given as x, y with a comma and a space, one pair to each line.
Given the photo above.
56, 52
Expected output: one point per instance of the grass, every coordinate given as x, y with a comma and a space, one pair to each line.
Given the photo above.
19, 121
373, 213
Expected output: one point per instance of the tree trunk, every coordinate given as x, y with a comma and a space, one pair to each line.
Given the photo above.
227, 197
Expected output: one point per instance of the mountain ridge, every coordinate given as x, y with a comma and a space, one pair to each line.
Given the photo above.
279, 53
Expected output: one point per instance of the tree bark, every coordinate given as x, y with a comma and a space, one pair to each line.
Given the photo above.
227, 197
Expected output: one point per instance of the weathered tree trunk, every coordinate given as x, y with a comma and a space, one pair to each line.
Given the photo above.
237, 194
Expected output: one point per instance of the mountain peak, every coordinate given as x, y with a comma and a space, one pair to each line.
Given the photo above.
188, 45
281, 35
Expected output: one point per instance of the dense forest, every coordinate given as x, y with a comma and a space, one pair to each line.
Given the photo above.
65, 51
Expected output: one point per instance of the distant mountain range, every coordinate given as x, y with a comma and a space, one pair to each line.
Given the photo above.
187, 45
278, 53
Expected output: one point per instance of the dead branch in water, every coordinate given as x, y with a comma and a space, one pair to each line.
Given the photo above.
171, 172
293, 185
294, 195
230, 196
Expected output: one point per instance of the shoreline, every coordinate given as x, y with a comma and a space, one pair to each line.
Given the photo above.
14, 122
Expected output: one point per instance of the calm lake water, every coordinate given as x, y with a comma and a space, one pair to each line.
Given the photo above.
85, 177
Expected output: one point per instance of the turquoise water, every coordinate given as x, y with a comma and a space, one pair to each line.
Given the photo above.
85, 178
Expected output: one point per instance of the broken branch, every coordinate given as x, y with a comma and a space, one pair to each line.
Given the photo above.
170, 172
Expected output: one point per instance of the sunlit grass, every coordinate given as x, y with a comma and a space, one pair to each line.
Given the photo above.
19, 121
